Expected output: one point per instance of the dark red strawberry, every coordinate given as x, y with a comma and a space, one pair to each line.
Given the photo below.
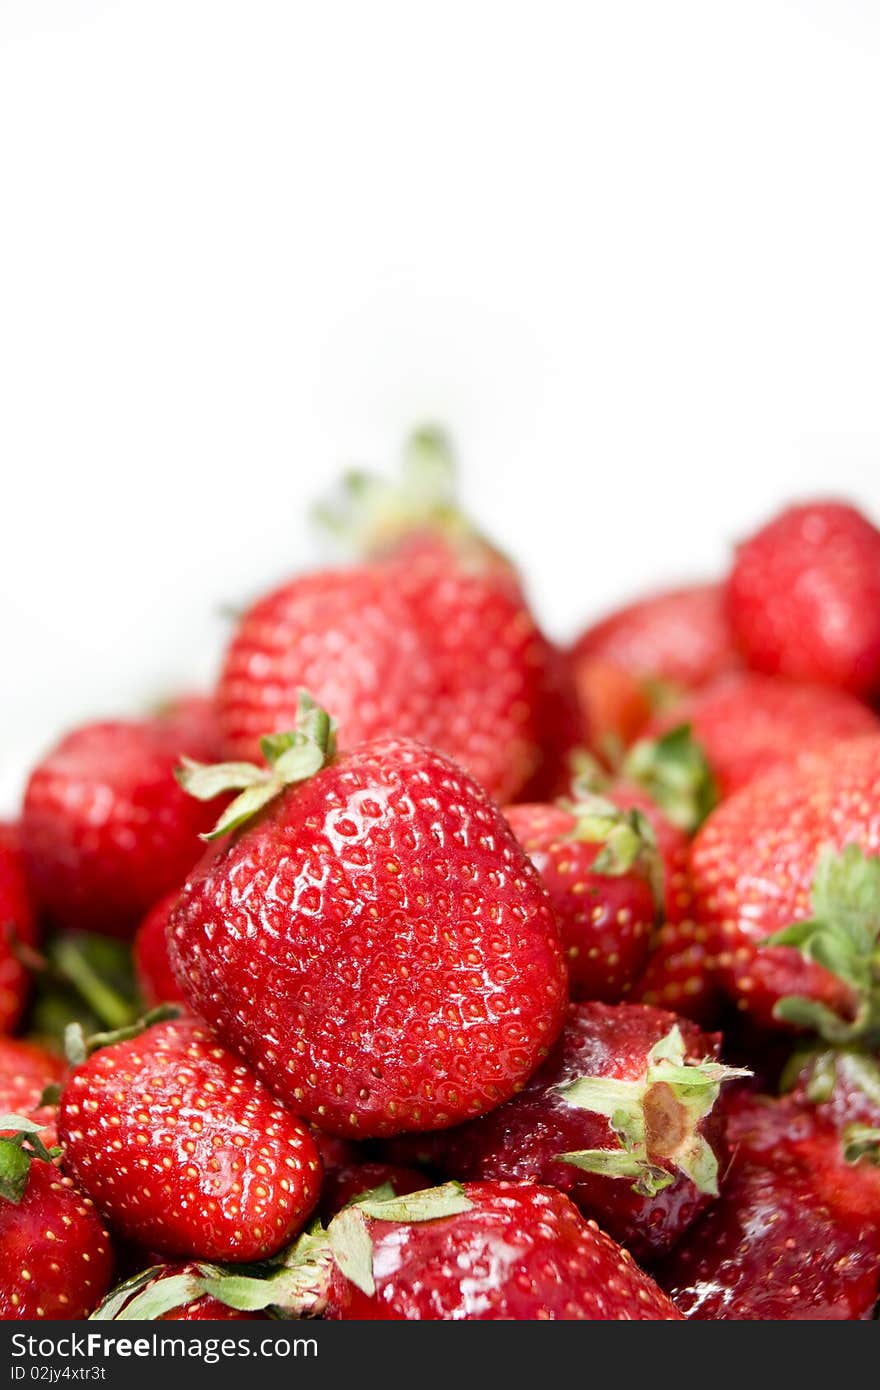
785, 859
600, 866
26, 1071
168, 1293
843, 1086
678, 635
795, 1235
17, 924
155, 978
514, 1251
375, 943
57, 1258
344, 1184
430, 639
486, 1252
804, 596
105, 829
184, 1150
748, 724
621, 1118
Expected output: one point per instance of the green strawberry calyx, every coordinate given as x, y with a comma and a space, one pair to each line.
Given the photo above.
842, 936
371, 515
675, 772
861, 1142
20, 1145
626, 837
656, 1119
297, 1283
291, 757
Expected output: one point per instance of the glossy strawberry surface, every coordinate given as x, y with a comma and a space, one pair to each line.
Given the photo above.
677, 635
804, 596
377, 945
184, 1150
748, 724
57, 1257
106, 830
521, 1252
398, 648
18, 924
754, 862
794, 1235
155, 979
523, 1140
606, 919
26, 1070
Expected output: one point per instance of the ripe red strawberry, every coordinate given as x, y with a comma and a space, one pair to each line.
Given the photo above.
748, 724
679, 972
17, 924
345, 1183
795, 1234
155, 978
184, 1150
514, 1252
616, 704
57, 1256
485, 1252
784, 858
678, 635
375, 943
600, 866
26, 1071
415, 647
843, 1087
621, 1118
105, 828
804, 597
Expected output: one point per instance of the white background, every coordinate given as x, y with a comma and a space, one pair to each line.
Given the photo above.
629, 252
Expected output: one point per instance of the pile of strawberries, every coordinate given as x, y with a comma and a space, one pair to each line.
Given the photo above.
428, 970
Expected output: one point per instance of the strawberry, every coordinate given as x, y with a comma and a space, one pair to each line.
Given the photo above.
621, 1118
600, 867
152, 964
514, 1251
26, 1071
484, 1252
680, 636
183, 1149
795, 1234
748, 724
782, 883
616, 704
105, 829
375, 942
804, 597
168, 1293
57, 1256
433, 641
345, 1183
17, 924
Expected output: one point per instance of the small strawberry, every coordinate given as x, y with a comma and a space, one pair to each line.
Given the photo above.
795, 1234
105, 828
782, 881
57, 1257
616, 704
804, 597
748, 724
184, 1150
375, 942
152, 964
17, 925
680, 636
433, 641
621, 1118
601, 869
